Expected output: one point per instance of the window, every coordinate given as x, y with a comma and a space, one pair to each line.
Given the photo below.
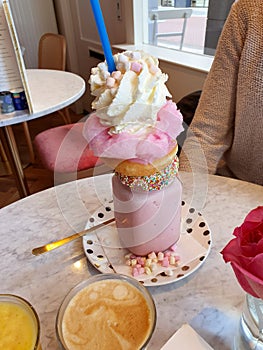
186, 25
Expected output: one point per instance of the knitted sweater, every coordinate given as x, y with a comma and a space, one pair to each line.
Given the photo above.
228, 122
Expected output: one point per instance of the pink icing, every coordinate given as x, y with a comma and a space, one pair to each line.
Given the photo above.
138, 146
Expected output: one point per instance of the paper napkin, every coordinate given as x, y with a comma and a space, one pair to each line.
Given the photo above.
186, 338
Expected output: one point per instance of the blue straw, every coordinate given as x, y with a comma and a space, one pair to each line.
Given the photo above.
95, 4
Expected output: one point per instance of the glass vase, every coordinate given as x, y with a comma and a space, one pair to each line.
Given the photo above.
250, 332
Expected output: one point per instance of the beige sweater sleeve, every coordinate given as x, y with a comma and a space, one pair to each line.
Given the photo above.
211, 131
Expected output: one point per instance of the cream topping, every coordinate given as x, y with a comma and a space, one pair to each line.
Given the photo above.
129, 98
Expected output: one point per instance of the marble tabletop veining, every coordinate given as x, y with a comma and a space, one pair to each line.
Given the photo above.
209, 299
50, 91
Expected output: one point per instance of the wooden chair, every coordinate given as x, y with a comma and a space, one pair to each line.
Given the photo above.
51, 55
173, 13
52, 52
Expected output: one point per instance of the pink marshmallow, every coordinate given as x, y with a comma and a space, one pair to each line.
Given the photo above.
141, 270
135, 272
136, 67
165, 262
141, 261
173, 247
167, 253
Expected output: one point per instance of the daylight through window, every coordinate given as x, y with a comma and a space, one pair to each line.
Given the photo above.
187, 25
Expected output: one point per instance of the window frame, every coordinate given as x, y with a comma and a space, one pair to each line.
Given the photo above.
137, 11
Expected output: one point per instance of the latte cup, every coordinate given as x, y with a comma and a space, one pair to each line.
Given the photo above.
19, 324
106, 311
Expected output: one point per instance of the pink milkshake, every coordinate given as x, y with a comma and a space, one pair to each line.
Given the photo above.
147, 222
134, 130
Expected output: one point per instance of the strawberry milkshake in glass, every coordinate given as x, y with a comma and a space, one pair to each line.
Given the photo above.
134, 130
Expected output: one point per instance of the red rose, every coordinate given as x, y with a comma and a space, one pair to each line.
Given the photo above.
245, 253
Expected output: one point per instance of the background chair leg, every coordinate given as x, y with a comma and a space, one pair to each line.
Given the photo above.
4, 160
10, 148
65, 114
29, 142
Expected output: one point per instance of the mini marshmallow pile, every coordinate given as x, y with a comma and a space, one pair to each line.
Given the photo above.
150, 264
130, 60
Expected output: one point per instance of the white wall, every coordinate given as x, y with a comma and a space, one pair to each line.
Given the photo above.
76, 22
33, 18
182, 80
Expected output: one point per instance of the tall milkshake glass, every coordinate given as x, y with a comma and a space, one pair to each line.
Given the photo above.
134, 130
148, 209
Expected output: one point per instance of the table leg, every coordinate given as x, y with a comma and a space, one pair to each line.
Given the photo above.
10, 147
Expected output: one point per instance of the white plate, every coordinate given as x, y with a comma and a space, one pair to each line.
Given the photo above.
98, 243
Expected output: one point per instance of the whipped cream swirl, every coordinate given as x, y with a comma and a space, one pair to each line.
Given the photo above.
129, 98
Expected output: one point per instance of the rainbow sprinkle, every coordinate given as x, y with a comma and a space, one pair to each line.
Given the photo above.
154, 182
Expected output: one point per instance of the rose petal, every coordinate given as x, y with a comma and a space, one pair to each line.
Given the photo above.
255, 215
232, 251
248, 281
251, 231
255, 266
252, 249
237, 231
250, 238
245, 253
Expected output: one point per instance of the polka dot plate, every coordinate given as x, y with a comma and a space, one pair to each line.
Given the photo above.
105, 254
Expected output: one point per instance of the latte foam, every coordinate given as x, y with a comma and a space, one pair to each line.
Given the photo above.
109, 314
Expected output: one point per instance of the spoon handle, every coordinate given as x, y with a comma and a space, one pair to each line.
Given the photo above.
53, 245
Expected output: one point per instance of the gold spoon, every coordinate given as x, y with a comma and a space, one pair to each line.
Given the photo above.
53, 245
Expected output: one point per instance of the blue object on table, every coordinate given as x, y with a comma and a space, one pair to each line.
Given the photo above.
19, 99
6, 102
95, 4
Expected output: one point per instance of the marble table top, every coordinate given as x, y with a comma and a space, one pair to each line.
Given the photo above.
50, 91
210, 299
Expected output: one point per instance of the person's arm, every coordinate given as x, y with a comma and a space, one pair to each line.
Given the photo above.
211, 130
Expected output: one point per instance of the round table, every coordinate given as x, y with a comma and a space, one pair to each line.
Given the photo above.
50, 91
209, 299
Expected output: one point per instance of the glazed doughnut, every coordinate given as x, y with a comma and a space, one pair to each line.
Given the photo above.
131, 168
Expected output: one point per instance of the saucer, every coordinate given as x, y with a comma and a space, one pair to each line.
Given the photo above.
104, 252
